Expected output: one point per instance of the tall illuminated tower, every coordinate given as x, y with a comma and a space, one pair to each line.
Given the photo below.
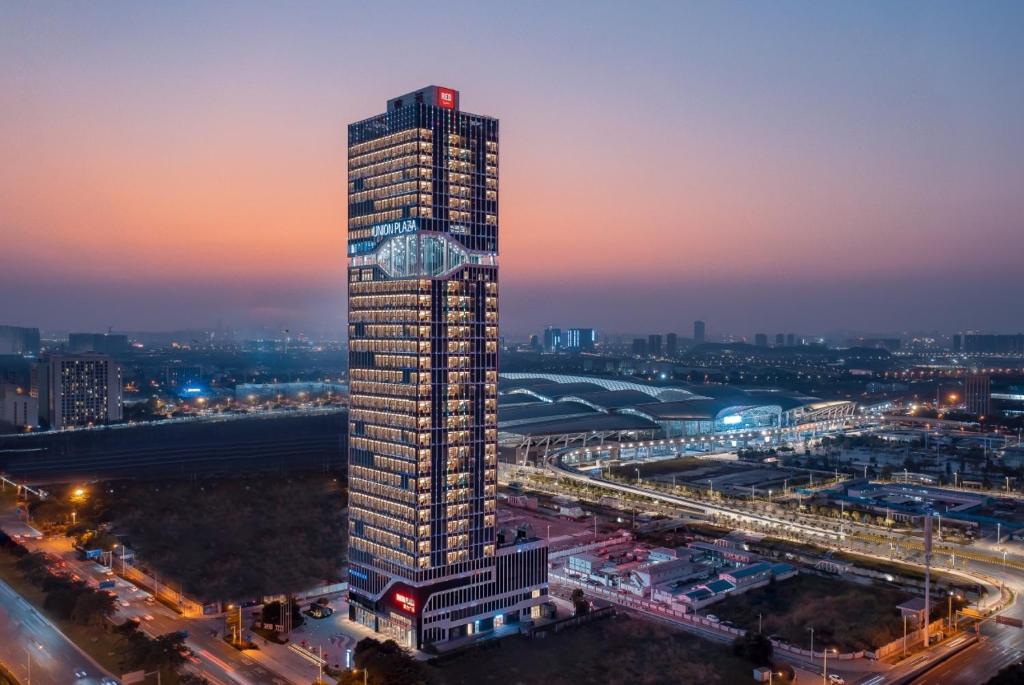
426, 561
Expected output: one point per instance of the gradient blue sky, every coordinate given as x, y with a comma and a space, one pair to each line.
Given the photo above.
767, 166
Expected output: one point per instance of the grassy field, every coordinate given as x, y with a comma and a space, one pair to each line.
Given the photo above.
844, 615
100, 645
615, 650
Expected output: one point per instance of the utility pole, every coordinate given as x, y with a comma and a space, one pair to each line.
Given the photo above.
927, 576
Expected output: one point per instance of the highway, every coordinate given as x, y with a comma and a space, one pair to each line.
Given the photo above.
700, 506
28, 640
999, 645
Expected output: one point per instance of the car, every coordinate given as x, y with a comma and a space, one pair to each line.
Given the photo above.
712, 618
836, 680
110, 681
124, 603
81, 673
148, 617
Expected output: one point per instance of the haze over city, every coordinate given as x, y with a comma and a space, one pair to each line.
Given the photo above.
783, 166
460, 343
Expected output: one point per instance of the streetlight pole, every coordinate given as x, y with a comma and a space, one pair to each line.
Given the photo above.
812, 642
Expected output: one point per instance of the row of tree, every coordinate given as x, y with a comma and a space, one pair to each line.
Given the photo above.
74, 600
66, 597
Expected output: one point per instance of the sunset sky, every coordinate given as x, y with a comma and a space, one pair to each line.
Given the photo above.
767, 166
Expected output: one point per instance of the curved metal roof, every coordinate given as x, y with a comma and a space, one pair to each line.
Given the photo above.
605, 383
609, 400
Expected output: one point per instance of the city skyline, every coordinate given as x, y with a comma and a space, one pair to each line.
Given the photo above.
876, 177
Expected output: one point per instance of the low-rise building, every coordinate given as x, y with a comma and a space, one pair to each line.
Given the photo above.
585, 564
748, 575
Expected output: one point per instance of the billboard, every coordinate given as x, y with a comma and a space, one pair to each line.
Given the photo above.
446, 98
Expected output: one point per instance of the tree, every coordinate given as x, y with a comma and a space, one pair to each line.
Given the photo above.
579, 602
384, 663
272, 614
93, 607
164, 652
754, 647
34, 567
63, 597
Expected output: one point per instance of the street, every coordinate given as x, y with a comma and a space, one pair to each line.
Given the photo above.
31, 644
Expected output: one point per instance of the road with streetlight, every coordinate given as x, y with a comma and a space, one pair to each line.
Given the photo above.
34, 649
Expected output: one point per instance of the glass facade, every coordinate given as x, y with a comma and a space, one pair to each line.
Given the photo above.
423, 354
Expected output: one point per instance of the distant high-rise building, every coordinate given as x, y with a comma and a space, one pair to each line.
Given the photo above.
700, 330
889, 344
18, 407
580, 339
671, 345
978, 343
19, 340
654, 345
79, 390
761, 339
103, 343
978, 394
780, 339
552, 339
534, 342
639, 347
790, 339
427, 563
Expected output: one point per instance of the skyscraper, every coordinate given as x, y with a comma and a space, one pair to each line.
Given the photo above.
78, 390
580, 339
427, 563
671, 344
654, 345
552, 339
699, 332
19, 340
104, 343
978, 393
761, 340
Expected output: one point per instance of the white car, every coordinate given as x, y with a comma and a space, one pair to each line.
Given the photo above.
836, 680
712, 618
148, 617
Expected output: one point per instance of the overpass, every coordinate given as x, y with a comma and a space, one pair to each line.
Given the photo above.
694, 505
